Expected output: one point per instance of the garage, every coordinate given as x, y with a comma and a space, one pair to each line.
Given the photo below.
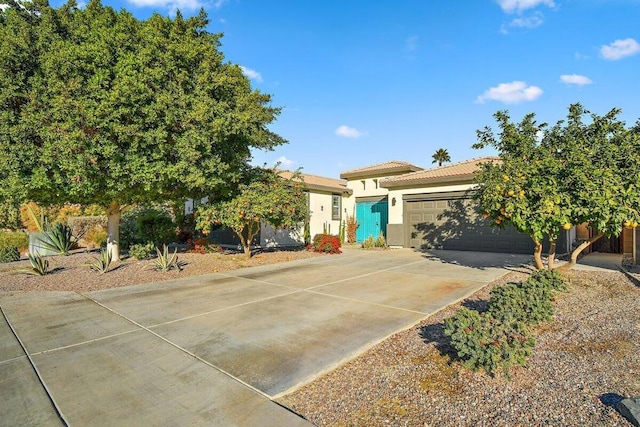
449, 221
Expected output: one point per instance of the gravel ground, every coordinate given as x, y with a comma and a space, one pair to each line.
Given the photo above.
72, 274
588, 357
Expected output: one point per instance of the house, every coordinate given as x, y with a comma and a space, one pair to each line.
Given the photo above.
325, 198
428, 208
370, 201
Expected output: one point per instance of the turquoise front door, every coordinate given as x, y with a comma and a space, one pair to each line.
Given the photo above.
372, 218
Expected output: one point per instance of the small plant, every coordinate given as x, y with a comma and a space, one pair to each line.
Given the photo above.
326, 243
39, 266
352, 226
58, 239
380, 242
97, 236
101, 264
164, 262
142, 251
368, 243
9, 254
343, 228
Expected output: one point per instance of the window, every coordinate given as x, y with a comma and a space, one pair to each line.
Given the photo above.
336, 200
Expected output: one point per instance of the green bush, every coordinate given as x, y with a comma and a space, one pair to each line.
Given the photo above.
503, 336
326, 243
521, 302
142, 251
58, 239
483, 342
9, 254
14, 238
378, 242
147, 224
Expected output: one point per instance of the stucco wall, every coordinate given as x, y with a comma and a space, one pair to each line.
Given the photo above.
363, 187
395, 208
320, 211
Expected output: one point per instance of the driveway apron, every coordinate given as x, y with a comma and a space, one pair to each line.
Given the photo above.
216, 349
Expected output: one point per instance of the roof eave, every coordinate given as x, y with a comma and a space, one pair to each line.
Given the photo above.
427, 181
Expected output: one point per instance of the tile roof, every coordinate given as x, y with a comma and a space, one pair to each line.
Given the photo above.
386, 167
461, 171
315, 182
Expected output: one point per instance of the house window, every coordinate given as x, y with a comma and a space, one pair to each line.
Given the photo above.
336, 200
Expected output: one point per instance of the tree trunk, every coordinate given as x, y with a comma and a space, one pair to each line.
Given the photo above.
113, 230
576, 252
552, 254
537, 255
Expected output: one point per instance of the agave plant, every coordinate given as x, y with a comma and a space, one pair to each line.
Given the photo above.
58, 239
164, 262
39, 266
101, 263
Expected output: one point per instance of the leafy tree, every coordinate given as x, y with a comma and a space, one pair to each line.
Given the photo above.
441, 156
99, 107
271, 199
552, 178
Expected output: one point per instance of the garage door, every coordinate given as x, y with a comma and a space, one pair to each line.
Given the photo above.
452, 223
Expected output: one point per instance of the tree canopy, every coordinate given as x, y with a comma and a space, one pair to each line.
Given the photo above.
268, 199
97, 106
552, 178
441, 156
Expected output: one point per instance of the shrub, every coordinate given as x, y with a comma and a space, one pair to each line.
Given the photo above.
10, 215
520, 302
352, 226
14, 238
147, 224
9, 254
503, 336
368, 243
83, 226
142, 251
96, 237
326, 243
203, 246
378, 242
483, 342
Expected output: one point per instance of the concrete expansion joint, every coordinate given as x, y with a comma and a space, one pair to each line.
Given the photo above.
367, 274
182, 349
421, 313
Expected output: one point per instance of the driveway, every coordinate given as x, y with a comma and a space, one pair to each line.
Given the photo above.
216, 349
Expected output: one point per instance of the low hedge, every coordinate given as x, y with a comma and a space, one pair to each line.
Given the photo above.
14, 238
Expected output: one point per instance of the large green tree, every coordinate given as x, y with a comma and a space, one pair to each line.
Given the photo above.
552, 178
268, 199
97, 106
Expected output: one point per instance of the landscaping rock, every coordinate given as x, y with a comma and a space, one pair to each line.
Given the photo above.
630, 409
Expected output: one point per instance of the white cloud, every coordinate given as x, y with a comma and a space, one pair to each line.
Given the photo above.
285, 162
619, 49
348, 132
411, 43
575, 79
511, 6
533, 21
219, 3
252, 74
172, 5
510, 93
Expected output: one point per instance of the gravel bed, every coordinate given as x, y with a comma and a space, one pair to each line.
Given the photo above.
585, 359
70, 273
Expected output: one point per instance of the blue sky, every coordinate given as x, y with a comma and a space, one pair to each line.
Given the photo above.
363, 82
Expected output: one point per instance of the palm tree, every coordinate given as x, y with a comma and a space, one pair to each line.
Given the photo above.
441, 156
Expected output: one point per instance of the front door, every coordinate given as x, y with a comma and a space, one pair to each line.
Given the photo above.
372, 218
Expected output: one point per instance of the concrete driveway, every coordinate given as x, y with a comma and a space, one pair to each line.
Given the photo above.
216, 349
